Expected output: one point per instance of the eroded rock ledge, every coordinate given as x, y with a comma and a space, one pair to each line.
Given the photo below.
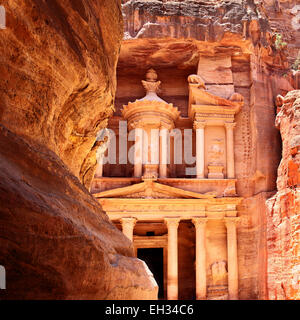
200, 20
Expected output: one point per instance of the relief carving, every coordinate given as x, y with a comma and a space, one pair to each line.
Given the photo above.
215, 164
216, 152
196, 79
219, 273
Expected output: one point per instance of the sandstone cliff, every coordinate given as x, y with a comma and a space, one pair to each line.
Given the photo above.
283, 267
283, 218
58, 82
57, 86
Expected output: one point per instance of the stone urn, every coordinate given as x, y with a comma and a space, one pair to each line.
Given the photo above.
151, 75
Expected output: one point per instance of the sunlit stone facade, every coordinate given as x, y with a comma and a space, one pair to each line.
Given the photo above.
192, 219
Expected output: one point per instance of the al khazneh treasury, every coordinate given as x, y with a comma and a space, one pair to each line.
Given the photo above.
183, 223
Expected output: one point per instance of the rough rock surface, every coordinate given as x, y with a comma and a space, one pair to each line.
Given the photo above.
57, 66
283, 219
56, 242
201, 20
284, 18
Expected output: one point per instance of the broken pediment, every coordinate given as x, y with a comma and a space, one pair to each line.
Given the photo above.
150, 189
202, 101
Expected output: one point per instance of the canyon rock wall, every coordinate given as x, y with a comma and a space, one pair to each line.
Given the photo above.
283, 209
283, 218
284, 18
57, 66
236, 37
58, 80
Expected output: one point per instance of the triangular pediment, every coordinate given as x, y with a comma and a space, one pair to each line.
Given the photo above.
150, 189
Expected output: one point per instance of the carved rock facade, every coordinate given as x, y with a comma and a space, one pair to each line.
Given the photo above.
229, 50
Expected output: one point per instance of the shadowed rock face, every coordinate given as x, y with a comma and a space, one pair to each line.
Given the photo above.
57, 65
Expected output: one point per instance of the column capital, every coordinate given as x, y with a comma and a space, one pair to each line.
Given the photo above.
231, 221
172, 222
199, 124
136, 124
128, 221
230, 125
199, 222
150, 125
166, 126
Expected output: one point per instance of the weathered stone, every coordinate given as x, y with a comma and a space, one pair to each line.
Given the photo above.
57, 66
56, 242
60, 51
283, 218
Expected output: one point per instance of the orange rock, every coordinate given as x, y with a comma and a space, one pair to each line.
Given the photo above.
283, 237
57, 89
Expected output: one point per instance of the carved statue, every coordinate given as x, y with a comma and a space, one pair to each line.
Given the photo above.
216, 152
219, 273
236, 97
102, 143
151, 84
151, 75
196, 79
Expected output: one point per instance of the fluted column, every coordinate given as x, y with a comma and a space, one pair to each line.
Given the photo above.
128, 226
199, 126
163, 164
230, 149
172, 224
200, 226
233, 278
138, 153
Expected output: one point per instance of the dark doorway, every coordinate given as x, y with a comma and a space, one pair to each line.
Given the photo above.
154, 258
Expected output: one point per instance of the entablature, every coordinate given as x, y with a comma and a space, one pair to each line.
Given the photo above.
159, 209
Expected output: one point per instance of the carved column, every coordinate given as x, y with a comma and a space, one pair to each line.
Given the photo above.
200, 225
138, 153
163, 164
155, 145
199, 127
128, 226
230, 149
233, 278
172, 224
